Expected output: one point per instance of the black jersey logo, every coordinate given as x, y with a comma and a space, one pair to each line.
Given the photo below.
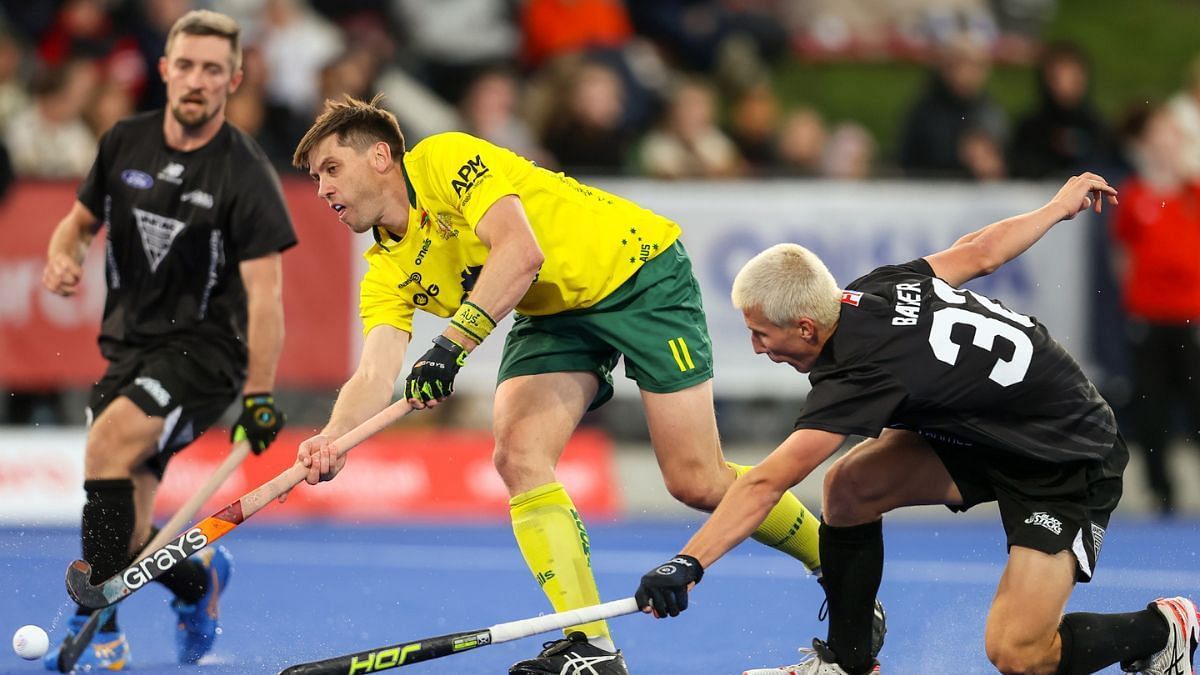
158, 232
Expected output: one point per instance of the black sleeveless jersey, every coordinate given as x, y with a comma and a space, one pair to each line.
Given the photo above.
179, 223
912, 352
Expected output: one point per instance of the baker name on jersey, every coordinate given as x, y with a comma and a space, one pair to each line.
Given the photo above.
908, 304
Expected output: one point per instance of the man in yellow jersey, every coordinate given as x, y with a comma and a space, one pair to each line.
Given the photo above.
471, 231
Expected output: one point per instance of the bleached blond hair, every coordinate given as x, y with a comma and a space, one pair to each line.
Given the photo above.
787, 282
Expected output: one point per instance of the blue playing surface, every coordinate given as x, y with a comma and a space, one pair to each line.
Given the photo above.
311, 591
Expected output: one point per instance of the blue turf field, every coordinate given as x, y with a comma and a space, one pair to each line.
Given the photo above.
305, 592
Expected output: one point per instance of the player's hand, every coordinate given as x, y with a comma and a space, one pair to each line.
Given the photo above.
1083, 192
62, 274
259, 422
664, 589
320, 456
432, 376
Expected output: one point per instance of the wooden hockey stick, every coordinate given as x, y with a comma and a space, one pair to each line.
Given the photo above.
212, 528
72, 648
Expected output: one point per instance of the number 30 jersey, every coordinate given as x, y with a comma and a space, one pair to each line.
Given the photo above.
912, 352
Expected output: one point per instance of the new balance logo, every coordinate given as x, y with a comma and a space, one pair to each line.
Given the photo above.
198, 197
158, 232
172, 173
1043, 519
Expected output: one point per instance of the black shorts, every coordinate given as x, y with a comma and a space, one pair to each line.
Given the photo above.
185, 388
1044, 506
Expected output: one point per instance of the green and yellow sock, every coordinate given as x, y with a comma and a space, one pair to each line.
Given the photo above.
790, 527
554, 541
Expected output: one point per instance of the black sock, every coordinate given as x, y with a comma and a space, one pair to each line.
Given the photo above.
105, 532
187, 579
852, 565
1091, 642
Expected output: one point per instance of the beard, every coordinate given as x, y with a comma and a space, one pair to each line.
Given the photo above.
193, 118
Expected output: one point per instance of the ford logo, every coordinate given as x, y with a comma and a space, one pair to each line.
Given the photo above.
137, 179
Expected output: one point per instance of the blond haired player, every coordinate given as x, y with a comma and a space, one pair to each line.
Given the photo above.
470, 231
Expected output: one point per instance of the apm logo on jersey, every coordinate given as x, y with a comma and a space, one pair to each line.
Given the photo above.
469, 175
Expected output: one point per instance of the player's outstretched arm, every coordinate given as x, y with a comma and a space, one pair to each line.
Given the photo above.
368, 391
984, 251
663, 590
67, 250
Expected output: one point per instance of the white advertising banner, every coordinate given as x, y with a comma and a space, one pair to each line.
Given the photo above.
854, 227
41, 476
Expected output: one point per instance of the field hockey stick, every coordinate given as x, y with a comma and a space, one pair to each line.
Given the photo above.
212, 528
72, 647
405, 653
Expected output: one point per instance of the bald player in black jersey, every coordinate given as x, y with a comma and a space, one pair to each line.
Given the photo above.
193, 317
965, 401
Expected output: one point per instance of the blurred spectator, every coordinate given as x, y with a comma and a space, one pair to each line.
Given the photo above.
453, 40
13, 95
1186, 107
150, 34
954, 103
1064, 134
982, 155
731, 41
849, 152
86, 29
801, 147
689, 144
586, 134
552, 28
754, 126
351, 73
489, 111
1157, 226
110, 104
48, 138
295, 44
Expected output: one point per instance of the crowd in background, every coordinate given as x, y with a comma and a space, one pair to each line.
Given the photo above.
667, 89
671, 89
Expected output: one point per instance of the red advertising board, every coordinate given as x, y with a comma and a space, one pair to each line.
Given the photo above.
416, 474
47, 341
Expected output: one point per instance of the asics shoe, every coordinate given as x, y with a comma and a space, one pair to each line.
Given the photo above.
572, 655
816, 661
1176, 657
108, 650
199, 624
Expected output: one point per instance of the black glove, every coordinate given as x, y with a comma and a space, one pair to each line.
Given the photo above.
665, 588
432, 376
259, 422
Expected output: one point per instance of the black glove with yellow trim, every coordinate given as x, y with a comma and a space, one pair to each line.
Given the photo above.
259, 422
432, 376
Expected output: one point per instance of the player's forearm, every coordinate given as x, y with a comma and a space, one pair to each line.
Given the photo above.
71, 239
363, 395
1006, 239
741, 511
505, 279
265, 340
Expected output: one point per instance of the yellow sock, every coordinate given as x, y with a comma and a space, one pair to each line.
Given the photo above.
790, 527
555, 545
